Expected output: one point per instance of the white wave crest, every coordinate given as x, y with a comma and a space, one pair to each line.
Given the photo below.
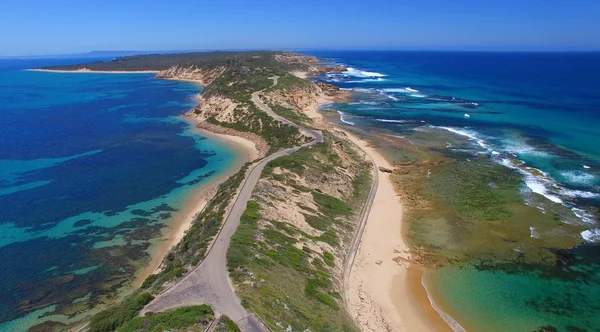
521, 148
472, 135
585, 216
591, 235
343, 119
363, 90
417, 95
578, 193
578, 177
538, 185
393, 121
401, 90
361, 73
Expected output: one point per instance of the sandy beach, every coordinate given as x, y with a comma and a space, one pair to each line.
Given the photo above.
181, 222
87, 71
385, 292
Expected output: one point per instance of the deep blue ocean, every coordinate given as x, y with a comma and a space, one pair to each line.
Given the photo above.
536, 113
92, 169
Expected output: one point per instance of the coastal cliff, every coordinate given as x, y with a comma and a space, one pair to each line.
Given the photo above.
191, 73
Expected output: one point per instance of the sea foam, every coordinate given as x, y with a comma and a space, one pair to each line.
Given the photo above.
343, 119
393, 121
454, 325
578, 177
591, 235
361, 73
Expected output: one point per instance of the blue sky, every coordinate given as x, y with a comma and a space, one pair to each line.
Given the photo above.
32, 27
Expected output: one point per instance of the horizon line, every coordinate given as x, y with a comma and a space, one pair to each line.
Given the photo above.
144, 52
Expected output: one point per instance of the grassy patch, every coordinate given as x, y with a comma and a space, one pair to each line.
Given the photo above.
331, 206
178, 319
225, 324
328, 258
115, 316
289, 114
294, 289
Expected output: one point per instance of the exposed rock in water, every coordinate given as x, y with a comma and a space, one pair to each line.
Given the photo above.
326, 69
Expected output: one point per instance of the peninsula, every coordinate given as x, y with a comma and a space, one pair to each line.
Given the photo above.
274, 248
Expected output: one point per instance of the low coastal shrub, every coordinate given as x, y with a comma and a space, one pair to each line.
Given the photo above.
243, 239
179, 318
331, 206
328, 258
114, 317
226, 324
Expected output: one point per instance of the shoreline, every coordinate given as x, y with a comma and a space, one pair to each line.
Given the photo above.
197, 200
87, 71
386, 291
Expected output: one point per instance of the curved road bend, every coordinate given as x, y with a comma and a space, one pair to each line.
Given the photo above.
209, 282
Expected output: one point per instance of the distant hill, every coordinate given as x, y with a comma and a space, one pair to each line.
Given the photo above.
93, 54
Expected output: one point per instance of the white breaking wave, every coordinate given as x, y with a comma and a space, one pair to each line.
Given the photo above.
537, 184
585, 216
343, 119
401, 90
361, 73
467, 115
578, 177
372, 103
521, 148
536, 180
586, 167
466, 133
379, 79
578, 193
591, 235
394, 121
454, 325
417, 95
365, 90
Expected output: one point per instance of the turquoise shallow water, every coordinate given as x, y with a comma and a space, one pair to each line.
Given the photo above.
92, 168
535, 113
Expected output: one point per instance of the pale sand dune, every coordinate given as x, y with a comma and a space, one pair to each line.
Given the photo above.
384, 293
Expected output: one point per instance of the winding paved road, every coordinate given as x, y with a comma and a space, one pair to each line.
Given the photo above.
209, 282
